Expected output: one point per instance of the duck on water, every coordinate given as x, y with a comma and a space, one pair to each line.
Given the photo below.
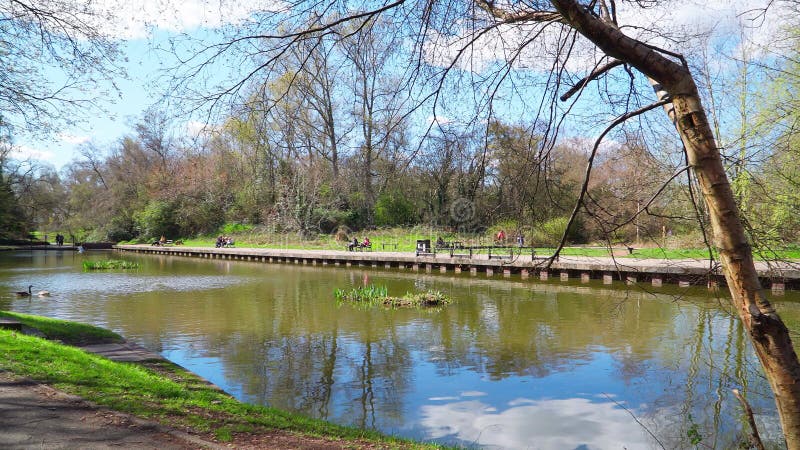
29, 293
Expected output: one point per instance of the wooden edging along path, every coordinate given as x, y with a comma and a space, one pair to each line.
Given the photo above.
779, 276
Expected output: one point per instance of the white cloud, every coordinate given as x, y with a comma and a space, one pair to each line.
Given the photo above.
541, 424
133, 20
24, 153
197, 129
72, 139
677, 25
441, 120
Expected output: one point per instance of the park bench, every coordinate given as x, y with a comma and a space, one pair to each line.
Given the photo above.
464, 252
358, 248
444, 245
388, 244
496, 255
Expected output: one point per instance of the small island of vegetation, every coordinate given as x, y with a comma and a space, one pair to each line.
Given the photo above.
109, 264
373, 295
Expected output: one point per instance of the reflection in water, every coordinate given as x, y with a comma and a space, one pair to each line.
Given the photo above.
510, 365
541, 424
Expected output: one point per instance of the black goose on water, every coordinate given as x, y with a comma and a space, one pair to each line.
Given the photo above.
25, 293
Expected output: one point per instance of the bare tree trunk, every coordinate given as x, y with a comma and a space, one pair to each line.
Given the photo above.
768, 334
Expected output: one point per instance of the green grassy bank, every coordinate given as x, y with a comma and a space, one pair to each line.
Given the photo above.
404, 240
156, 390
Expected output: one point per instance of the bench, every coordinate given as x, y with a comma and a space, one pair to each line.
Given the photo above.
449, 245
453, 253
510, 254
359, 248
388, 244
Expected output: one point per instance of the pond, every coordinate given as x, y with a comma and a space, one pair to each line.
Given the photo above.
510, 364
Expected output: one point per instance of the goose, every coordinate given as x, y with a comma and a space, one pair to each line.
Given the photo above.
25, 293
43, 294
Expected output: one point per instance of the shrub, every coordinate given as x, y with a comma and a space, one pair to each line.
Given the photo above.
232, 228
157, 219
393, 209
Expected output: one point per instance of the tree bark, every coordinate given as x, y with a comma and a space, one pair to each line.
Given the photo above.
768, 334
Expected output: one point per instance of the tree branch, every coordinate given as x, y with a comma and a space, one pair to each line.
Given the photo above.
589, 165
592, 76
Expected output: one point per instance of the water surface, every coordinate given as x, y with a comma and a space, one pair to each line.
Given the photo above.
511, 364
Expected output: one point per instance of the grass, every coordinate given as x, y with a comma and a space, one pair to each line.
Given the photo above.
107, 264
405, 240
67, 332
159, 391
373, 295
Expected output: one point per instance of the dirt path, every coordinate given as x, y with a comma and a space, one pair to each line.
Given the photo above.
37, 416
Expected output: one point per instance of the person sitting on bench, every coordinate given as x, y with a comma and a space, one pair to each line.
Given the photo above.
351, 246
366, 243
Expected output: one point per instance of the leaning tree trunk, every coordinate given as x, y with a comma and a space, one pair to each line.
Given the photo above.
768, 334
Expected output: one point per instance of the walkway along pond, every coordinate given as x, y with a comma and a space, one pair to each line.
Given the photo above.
778, 276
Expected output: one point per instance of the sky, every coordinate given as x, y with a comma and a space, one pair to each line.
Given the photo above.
139, 27
101, 128
142, 25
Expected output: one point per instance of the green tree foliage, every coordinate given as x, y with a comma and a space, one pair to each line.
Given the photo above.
157, 219
11, 223
393, 208
774, 191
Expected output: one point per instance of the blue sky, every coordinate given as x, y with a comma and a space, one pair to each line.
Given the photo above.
139, 27
142, 25
102, 128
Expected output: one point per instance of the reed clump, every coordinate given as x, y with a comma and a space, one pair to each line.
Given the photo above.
373, 295
109, 264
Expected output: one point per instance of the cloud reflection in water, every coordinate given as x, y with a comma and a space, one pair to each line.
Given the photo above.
575, 423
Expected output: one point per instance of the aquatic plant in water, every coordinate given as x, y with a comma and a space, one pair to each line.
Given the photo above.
109, 264
372, 295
